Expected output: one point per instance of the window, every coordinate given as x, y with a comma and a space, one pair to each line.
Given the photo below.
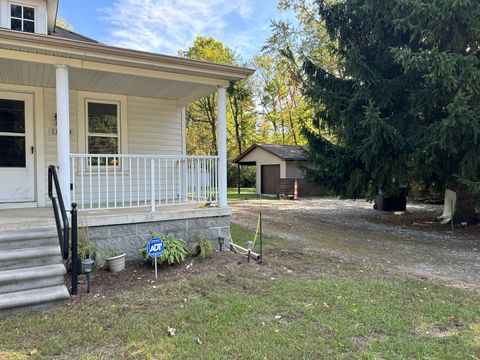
22, 18
12, 133
103, 128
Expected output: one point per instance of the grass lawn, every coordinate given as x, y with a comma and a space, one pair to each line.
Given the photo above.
298, 305
246, 194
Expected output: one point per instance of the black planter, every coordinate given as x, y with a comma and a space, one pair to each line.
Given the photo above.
392, 203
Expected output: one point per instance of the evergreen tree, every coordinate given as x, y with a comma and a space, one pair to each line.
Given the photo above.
405, 107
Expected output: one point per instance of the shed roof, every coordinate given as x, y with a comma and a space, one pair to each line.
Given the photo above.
283, 152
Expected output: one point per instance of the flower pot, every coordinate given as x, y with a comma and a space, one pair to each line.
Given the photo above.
116, 263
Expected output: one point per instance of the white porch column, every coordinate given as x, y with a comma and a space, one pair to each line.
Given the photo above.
222, 145
63, 132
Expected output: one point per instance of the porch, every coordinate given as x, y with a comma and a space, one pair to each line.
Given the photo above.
38, 218
112, 120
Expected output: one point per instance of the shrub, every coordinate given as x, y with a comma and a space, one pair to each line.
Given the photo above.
87, 249
174, 252
202, 248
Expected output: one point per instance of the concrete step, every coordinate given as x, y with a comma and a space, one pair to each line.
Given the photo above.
31, 278
30, 257
10, 240
15, 302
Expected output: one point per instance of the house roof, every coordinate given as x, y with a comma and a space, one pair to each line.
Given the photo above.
74, 50
283, 152
67, 34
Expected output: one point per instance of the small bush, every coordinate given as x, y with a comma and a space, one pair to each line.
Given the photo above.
174, 253
87, 249
202, 248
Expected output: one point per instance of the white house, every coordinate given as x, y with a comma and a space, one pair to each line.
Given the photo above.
113, 121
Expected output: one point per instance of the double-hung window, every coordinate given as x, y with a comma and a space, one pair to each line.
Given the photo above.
22, 18
103, 128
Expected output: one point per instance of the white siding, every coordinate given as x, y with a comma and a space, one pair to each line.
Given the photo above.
40, 13
153, 127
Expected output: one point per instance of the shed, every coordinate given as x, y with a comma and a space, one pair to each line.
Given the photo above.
277, 167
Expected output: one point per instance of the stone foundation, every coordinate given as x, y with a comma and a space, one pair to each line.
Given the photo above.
131, 237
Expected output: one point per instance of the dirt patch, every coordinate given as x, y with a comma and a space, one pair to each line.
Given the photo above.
351, 231
423, 217
363, 341
139, 274
441, 330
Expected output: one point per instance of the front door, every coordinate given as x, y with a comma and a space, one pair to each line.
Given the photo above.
17, 161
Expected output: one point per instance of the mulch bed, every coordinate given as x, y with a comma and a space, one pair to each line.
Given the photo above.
138, 274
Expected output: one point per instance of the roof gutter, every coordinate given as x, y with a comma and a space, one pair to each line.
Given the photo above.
107, 52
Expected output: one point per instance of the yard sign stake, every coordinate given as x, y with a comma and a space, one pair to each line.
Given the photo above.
155, 248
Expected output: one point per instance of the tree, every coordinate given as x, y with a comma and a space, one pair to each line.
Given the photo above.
404, 107
202, 114
241, 115
61, 22
280, 100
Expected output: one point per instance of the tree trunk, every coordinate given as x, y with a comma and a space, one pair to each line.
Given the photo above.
211, 115
234, 106
465, 208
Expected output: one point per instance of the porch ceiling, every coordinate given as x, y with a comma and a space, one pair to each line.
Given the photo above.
43, 75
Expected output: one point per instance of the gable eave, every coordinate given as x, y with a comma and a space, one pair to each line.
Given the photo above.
52, 11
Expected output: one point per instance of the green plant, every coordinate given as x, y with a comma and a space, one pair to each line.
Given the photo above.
202, 248
174, 252
87, 249
113, 252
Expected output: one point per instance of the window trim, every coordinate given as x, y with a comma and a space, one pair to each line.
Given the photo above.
22, 19
81, 118
88, 134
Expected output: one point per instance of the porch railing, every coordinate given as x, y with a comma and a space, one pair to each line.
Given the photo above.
109, 181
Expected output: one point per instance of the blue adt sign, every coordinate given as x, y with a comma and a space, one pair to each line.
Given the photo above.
155, 247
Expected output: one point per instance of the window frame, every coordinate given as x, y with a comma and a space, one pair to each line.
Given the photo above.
88, 134
22, 19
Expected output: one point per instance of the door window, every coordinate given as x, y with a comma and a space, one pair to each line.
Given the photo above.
12, 133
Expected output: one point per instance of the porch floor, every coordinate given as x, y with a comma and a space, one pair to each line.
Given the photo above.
34, 218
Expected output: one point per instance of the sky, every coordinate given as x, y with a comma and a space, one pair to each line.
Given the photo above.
167, 26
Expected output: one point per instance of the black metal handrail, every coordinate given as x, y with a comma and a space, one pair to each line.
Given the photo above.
63, 227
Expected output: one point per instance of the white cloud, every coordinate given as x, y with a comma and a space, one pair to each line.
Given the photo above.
170, 25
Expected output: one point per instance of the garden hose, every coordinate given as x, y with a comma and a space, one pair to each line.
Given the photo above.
235, 247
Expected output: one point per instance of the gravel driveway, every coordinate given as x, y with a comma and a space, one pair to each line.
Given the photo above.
414, 242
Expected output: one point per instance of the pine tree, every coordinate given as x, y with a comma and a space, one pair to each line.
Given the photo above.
405, 107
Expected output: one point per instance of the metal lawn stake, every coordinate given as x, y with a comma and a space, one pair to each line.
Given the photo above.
155, 248
261, 241
451, 212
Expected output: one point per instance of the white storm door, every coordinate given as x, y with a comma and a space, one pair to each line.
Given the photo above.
17, 159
